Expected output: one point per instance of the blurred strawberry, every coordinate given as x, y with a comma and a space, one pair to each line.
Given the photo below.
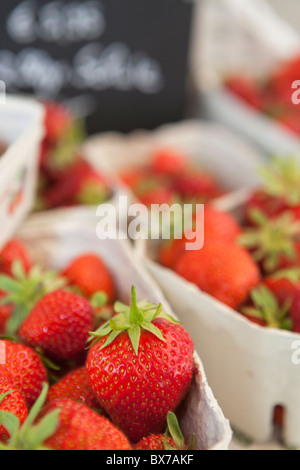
58, 120
167, 161
246, 89
13, 251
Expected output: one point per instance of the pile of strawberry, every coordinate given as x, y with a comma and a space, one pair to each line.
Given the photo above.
273, 95
169, 177
252, 266
80, 370
66, 178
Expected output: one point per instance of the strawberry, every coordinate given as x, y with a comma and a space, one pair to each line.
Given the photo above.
92, 190
81, 428
171, 440
167, 161
282, 78
22, 291
133, 177
159, 194
141, 365
222, 269
295, 313
74, 386
198, 186
12, 402
14, 250
57, 120
246, 89
59, 325
24, 370
265, 310
274, 242
30, 434
218, 225
279, 191
90, 274
284, 284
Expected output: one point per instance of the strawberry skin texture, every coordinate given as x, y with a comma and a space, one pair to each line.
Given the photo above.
224, 270
59, 324
14, 250
90, 275
83, 429
74, 386
154, 442
138, 391
13, 403
25, 371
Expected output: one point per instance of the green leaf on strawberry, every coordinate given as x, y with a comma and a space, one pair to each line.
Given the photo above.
132, 319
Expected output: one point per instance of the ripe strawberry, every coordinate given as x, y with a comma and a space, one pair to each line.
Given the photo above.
14, 250
196, 186
92, 189
75, 386
265, 310
222, 269
12, 402
218, 225
167, 161
133, 177
21, 292
282, 79
80, 428
284, 284
90, 274
57, 120
159, 194
246, 89
24, 369
174, 441
59, 324
140, 365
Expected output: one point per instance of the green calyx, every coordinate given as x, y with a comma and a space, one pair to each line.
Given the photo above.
31, 435
132, 319
267, 308
290, 274
25, 290
281, 179
174, 431
271, 239
92, 193
65, 152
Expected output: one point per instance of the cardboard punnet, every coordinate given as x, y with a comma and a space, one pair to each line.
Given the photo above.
21, 129
55, 245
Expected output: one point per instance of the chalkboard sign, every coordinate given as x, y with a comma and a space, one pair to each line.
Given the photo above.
122, 62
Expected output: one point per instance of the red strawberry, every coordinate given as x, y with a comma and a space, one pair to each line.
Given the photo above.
74, 386
196, 186
284, 285
166, 161
159, 194
57, 120
218, 225
141, 365
24, 369
90, 274
222, 269
246, 89
133, 177
59, 324
92, 190
282, 79
163, 441
80, 428
14, 250
12, 402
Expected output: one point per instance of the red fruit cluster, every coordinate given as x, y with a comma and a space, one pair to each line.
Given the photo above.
66, 179
273, 95
169, 178
106, 395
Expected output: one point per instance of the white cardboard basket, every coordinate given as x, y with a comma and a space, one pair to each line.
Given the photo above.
55, 245
21, 128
